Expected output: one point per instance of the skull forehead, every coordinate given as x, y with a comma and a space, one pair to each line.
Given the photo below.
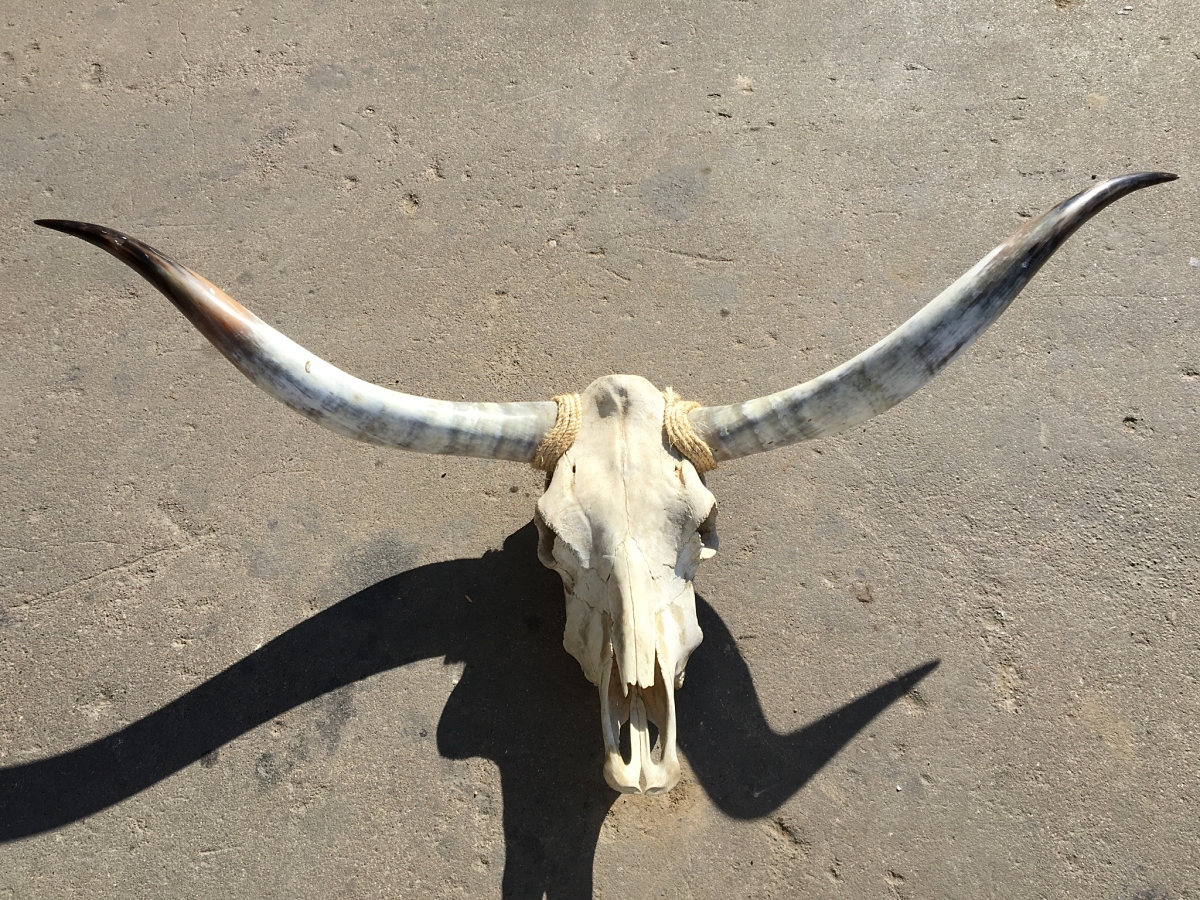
622, 479
622, 407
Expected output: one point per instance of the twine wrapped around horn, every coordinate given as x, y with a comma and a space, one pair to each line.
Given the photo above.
560, 438
682, 434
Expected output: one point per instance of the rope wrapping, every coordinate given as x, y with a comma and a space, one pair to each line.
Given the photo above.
560, 438
682, 434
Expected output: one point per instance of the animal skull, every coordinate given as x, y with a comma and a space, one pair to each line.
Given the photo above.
625, 521
626, 518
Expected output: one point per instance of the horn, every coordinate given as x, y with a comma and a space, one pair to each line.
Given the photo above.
318, 390
900, 364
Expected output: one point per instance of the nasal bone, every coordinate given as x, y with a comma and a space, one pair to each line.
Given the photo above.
651, 768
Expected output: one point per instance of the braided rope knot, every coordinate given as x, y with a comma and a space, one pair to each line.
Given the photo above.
560, 438
682, 434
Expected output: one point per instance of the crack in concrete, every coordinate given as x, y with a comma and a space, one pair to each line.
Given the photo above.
118, 569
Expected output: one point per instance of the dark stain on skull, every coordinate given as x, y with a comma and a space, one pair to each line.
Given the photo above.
613, 401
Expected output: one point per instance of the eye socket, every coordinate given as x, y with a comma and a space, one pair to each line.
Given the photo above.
708, 534
546, 538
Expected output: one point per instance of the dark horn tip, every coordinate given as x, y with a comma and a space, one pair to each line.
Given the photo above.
1145, 179
65, 225
105, 238
1075, 211
85, 230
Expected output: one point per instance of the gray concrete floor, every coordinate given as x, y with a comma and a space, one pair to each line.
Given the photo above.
236, 654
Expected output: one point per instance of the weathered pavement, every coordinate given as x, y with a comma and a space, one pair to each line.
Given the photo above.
243, 657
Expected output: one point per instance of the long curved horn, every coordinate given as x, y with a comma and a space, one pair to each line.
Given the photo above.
895, 368
318, 390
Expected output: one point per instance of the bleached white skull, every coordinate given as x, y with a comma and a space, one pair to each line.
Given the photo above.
625, 519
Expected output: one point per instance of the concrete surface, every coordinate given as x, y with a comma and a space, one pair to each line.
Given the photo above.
242, 657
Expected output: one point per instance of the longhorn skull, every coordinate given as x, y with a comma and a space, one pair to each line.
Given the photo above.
626, 517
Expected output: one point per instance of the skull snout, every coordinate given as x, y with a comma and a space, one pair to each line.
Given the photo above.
653, 763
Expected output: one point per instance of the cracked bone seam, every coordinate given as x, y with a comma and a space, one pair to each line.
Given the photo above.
626, 518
